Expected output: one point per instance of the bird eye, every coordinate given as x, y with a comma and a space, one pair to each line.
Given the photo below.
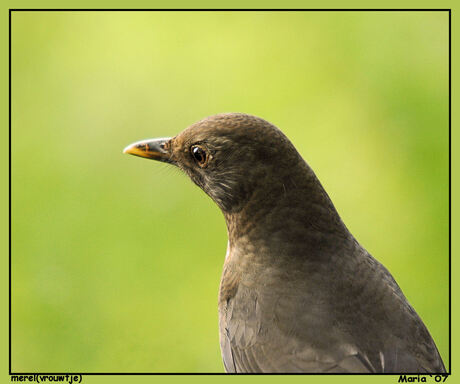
199, 154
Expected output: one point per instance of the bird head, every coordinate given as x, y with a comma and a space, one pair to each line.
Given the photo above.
230, 156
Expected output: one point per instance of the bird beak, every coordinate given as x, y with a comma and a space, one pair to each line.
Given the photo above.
151, 149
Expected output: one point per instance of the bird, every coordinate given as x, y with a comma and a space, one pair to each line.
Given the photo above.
298, 293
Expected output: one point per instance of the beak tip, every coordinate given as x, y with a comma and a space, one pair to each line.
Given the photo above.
128, 149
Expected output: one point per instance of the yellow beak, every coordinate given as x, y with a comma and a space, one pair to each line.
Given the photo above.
154, 149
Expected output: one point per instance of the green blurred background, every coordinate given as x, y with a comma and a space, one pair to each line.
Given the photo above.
116, 260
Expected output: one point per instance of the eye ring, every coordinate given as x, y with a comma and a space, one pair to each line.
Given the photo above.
199, 154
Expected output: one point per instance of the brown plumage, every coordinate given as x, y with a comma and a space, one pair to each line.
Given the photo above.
298, 292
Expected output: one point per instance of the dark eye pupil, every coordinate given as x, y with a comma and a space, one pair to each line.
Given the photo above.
199, 154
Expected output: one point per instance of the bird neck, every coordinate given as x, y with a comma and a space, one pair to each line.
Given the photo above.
295, 209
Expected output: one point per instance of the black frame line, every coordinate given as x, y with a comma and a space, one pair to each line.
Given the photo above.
450, 191
11, 10
231, 9
9, 190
